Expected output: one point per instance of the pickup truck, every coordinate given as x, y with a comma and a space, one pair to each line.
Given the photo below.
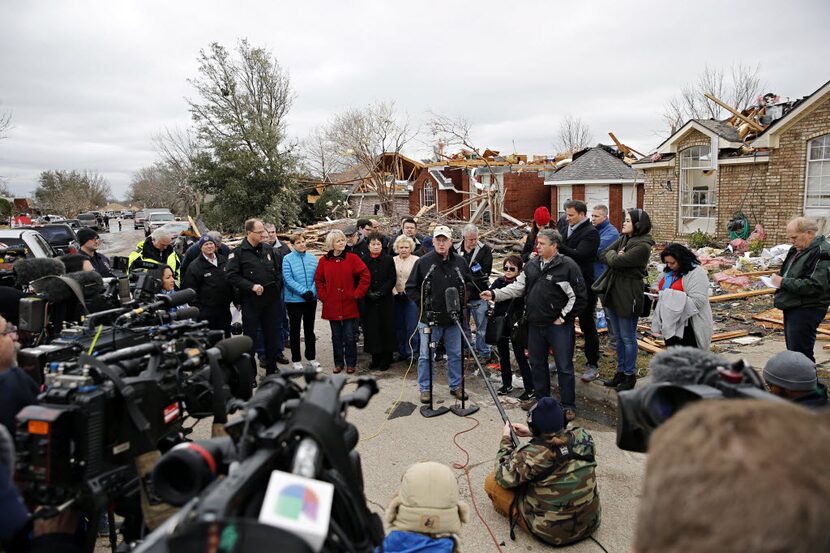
157, 220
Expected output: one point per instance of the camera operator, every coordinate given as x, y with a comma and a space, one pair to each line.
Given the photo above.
791, 375
90, 242
446, 269
17, 389
737, 475
549, 486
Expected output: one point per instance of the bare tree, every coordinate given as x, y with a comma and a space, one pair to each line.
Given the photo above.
574, 135
178, 150
153, 187
70, 192
738, 87
320, 158
363, 135
5, 123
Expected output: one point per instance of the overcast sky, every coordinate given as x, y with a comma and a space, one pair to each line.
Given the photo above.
89, 83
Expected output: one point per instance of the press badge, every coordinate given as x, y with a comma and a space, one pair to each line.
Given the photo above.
475, 267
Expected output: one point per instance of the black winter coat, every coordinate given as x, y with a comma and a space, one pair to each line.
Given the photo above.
581, 246
444, 276
480, 262
210, 282
249, 265
379, 306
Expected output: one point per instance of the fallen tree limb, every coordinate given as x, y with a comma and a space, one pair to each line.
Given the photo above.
741, 295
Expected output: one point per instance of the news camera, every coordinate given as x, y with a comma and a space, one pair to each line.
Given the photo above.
78, 444
684, 375
288, 438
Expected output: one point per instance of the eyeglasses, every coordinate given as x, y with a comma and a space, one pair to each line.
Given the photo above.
10, 329
506, 268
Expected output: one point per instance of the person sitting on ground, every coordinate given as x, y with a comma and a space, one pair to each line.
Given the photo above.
426, 514
791, 375
548, 486
739, 476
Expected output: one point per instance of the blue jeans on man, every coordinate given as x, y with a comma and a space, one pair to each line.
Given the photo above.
452, 343
561, 339
344, 342
478, 310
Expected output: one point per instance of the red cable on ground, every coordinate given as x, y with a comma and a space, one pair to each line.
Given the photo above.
469, 482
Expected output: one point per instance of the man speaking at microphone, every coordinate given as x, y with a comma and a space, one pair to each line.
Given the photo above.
442, 269
554, 291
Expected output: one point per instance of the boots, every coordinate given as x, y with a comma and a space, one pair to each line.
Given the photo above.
614, 382
628, 382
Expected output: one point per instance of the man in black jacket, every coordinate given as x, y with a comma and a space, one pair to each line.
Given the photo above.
554, 292
580, 243
438, 270
206, 275
89, 241
255, 270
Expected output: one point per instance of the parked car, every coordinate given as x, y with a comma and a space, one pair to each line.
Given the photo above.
138, 221
61, 237
89, 219
28, 239
73, 223
127, 214
157, 220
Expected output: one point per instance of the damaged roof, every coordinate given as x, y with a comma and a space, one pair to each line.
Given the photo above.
721, 128
594, 164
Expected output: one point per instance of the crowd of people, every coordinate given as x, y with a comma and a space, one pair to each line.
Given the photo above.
391, 293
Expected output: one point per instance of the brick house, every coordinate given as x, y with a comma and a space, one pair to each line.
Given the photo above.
597, 176
448, 185
703, 174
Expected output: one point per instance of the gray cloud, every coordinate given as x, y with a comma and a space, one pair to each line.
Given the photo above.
90, 83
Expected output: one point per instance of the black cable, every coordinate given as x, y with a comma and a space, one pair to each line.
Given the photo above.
593, 539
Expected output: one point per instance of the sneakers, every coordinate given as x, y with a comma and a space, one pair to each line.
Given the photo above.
297, 366
457, 394
528, 404
527, 395
314, 364
614, 382
591, 373
425, 396
504, 390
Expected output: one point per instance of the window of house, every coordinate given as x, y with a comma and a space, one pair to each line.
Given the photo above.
817, 190
698, 203
429, 193
564, 193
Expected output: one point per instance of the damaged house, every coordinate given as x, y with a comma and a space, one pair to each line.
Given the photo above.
765, 166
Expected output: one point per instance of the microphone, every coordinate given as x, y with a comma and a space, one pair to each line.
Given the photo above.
27, 270
684, 365
91, 282
429, 273
174, 299
234, 347
184, 313
452, 300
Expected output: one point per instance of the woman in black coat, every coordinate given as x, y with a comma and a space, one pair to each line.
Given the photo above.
379, 311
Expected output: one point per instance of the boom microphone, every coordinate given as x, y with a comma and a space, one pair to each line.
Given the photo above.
167, 301
452, 300
184, 313
684, 365
234, 347
91, 282
27, 270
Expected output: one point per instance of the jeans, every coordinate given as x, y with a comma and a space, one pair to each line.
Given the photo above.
625, 329
800, 324
478, 310
561, 339
406, 324
452, 342
504, 359
343, 342
304, 313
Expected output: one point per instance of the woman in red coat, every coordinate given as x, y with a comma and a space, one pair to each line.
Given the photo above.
341, 279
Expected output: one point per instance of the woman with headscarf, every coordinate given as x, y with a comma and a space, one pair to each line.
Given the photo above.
623, 296
683, 315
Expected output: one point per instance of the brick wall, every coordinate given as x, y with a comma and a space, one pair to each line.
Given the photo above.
366, 207
523, 193
661, 204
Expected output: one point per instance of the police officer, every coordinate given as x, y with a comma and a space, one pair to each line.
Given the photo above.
255, 270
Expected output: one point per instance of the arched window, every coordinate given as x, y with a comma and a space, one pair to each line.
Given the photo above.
698, 203
817, 189
429, 193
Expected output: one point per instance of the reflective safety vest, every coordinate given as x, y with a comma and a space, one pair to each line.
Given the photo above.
145, 264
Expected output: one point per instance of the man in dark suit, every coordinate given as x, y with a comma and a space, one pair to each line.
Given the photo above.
580, 242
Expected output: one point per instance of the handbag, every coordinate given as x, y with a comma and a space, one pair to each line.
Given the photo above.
497, 326
602, 284
518, 334
648, 303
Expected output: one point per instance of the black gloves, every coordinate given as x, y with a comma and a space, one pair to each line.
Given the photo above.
308, 295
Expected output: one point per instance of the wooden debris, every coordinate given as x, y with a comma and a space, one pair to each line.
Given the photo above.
741, 295
729, 335
645, 346
758, 273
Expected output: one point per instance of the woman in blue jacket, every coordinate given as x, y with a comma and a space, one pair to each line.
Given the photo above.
300, 296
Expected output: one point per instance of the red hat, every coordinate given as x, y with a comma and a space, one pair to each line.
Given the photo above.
541, 216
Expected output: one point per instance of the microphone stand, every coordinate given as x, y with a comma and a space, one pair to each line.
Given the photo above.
463, 410
430, 411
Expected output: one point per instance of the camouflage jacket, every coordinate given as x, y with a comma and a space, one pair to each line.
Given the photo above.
560, 505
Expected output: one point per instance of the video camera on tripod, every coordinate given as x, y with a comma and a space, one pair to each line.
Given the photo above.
292, 476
